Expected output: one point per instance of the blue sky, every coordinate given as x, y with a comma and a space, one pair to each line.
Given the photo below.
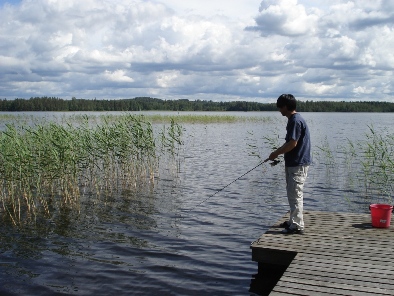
219, 50
10, 2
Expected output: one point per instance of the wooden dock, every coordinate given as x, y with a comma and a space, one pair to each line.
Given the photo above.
339, 254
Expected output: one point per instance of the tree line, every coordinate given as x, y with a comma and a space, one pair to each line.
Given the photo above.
148, 103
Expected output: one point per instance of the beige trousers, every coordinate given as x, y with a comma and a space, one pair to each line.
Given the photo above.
295, 179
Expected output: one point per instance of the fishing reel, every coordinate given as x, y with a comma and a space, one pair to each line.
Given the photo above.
274, 162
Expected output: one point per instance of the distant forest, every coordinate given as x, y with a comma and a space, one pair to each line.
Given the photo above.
147, 103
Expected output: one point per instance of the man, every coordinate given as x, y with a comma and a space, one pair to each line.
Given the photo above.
297, 154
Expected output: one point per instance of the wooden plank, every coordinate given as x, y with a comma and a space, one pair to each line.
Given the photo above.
314, 287
340, 254
378, 268
356, 258
360, 275
326, 286
335, 249
276, 293
337, 278
285, 291
292, 242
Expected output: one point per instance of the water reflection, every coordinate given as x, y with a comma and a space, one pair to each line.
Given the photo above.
101, 228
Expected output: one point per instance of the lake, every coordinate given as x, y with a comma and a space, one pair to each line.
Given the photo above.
187, 235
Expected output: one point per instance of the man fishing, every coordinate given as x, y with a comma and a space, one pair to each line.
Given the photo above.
297, 155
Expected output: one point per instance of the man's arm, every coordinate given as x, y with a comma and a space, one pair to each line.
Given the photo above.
283, 149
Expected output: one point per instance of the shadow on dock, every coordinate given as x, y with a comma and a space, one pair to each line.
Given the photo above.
265, 280
270, 272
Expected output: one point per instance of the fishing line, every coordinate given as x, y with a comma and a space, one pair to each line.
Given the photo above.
272, 164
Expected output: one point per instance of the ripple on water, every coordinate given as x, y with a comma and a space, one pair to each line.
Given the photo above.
165, 242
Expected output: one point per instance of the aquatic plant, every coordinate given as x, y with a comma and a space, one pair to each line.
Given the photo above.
253, 146
271, 143
367, 164
378, 164
183, 118
47, 166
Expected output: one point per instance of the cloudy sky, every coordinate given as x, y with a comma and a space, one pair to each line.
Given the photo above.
218, 50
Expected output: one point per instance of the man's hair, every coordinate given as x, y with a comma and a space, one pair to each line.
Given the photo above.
287, 100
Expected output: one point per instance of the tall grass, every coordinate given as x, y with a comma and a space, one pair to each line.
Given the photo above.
188, 118
365, 166
378, 164
47, 166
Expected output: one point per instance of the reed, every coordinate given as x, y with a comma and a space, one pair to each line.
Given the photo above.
187, 118
269, 143
378, 165
366, 164
47, 166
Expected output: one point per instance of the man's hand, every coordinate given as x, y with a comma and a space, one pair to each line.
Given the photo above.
275, 162
273, 155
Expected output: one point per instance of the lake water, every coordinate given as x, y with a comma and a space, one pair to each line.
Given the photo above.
185, 236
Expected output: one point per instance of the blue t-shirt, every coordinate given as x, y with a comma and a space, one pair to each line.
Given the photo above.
298, 130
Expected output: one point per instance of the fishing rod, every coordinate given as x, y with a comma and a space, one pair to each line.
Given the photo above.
273, 163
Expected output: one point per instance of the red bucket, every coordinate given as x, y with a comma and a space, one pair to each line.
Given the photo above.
381, 215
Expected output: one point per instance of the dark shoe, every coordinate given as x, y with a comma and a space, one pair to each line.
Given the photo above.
285, 225
292, 231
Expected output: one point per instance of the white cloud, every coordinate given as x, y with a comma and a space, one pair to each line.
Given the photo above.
364, 90
118, 76
221, 50
284, 17
318, 89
